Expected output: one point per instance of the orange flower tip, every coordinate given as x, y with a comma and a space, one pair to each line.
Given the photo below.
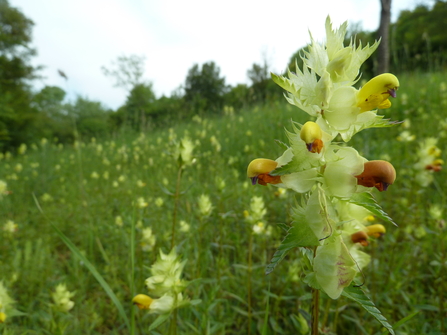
258, 170
360, 237
315, 147
378, 174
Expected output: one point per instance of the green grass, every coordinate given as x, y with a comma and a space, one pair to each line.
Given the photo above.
405, 274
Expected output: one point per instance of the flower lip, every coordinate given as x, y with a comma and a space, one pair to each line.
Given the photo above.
254, 180
392, 92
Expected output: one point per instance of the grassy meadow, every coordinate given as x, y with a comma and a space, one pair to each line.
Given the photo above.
104, 195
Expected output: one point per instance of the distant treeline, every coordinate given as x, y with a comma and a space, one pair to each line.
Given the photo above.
418, 42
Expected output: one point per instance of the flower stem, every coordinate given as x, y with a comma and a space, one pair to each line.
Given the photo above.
176, 199
315, 306
250, 254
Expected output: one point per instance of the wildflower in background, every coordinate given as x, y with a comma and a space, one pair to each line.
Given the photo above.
148, 239
429, 161
184, 151
406, 136
46, 197
184, 226
166, 283
257, 210
205, 205
119, 221
159, 202
22, 149
140, 183
163, 305
5, 303
61, 298
215, 143
141, 203
3, 188
261, 229
10, 227
94, 175
18, 168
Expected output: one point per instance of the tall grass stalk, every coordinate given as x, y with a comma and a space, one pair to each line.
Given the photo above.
176, 201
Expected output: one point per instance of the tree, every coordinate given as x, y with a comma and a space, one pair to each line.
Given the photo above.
15, 96
127, 71
139, 105
384, 28
204, 88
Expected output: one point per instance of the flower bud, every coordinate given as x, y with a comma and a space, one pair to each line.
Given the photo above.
375, 230
258, 171
311, 134
376, 92
142, 301
378, 174
360, 237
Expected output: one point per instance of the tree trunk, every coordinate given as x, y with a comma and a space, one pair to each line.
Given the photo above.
384, 28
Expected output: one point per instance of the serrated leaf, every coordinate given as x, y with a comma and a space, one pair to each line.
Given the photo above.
359, 296
299, 235
282, 144
366, 200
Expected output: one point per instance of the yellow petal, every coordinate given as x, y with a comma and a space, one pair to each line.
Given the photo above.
142, 301
260, 166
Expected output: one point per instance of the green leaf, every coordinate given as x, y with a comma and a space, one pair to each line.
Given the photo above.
159, 320
367, 201
358, 295
299, 235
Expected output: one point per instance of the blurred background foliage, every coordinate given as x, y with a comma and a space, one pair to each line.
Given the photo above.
418, 43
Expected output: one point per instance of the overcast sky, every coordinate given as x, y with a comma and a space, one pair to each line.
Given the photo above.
79, 37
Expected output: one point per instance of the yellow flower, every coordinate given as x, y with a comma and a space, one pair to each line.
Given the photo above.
142, 301
311, 134
258, 171
375, 93
375, 230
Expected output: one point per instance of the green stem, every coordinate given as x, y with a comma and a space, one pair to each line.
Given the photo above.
315, 306
176, 199
132, 272
250, 254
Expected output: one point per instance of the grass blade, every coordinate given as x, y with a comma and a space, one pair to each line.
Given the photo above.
91, 268
358, 295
